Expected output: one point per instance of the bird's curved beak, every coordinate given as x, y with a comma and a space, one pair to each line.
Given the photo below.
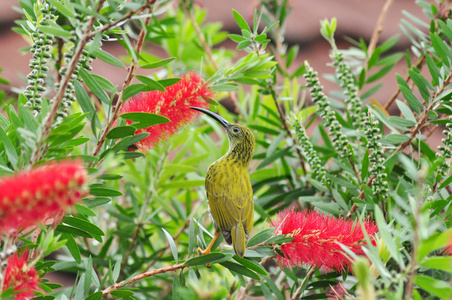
213, 115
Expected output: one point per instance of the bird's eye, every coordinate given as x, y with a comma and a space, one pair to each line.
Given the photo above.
236, 130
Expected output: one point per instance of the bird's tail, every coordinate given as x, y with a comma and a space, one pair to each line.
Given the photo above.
239, 240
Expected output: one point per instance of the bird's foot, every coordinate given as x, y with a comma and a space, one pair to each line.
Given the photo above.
204, 252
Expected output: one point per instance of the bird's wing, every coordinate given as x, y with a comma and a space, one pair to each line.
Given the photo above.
230, 197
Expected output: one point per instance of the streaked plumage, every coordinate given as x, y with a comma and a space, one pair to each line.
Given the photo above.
229, 188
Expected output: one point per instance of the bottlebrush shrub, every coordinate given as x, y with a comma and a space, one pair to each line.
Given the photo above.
173, 103
30, 197
317, 239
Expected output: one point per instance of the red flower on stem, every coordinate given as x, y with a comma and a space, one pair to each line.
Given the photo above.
20, 276
317, 237
31, 197
173, 104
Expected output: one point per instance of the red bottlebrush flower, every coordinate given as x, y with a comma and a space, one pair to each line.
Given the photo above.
30, 197
316, 239
22, 277
172, 104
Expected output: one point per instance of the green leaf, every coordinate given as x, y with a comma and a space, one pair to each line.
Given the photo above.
94, 296
210, 258
104, 191
133, 89
260, 237
405, 110
414, 103
84, 210
150, 83
434, 286
434, 71
144, 119
73, 231
158, 64
94, 86
439, 263
236, 38
440, 48
172, 245
252, 265
396, 138
108, 58
379, 74
55, 30
401, 121
169, 81
239, 269
386, 236
240, 21
227, 87
274, 157
116, 270
422, 84
243, 44
66, 9
9, 148
72, 246
83, 225
120, 132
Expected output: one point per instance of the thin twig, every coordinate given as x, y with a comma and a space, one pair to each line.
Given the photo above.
378, 28
360, 197
141, 276
308, 276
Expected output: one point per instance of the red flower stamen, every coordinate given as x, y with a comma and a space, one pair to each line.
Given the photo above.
22, 277
317, 237
173, 104
31, 197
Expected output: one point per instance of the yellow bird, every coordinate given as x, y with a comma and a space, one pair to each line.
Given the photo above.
228, 187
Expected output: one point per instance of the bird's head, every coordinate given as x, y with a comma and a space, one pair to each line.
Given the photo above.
240, 137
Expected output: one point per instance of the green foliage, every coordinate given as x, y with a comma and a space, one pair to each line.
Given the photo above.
137, 232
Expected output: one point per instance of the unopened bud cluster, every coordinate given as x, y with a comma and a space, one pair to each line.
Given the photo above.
347, 83
376, 157
69, 93
41, 49
327, 114
308, 151
446, 150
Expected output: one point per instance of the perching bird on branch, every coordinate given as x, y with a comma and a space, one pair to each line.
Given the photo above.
228, 187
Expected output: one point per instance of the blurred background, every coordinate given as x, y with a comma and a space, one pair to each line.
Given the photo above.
356, 19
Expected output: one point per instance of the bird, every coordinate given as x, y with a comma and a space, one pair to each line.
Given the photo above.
228, 187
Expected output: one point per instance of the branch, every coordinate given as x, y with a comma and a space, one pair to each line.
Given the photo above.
125, 17
420, 124
418, 65
378, 28
308, 276
119, 285
117, 107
